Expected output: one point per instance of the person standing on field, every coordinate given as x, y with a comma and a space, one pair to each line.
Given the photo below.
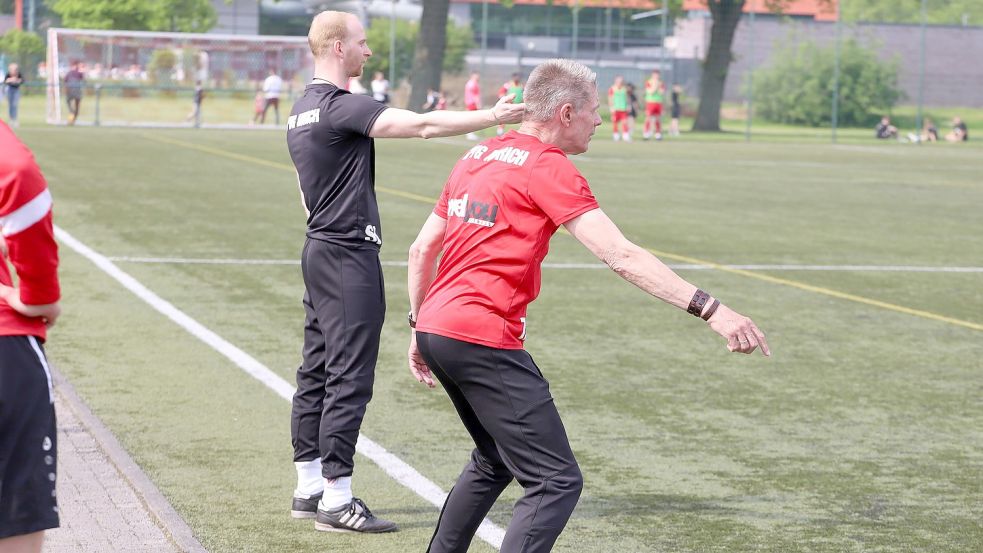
330, 136
271, 93
491, 230
472, 98
28, 436
655, 91
514, 87
74, 81
618, 106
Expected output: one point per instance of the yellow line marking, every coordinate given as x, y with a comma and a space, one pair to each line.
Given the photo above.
273, 164
759, 276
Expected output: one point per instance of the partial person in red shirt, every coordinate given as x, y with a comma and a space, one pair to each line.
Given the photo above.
27, 417
491, 230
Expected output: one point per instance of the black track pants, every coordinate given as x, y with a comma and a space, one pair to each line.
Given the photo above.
345, 306
506, 406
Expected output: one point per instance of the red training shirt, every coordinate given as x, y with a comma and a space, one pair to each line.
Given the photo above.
25, 222
503, 201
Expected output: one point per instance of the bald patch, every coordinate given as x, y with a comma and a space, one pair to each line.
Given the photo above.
326, 28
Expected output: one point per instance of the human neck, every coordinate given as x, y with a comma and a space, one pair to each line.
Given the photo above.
334, 73
545, 134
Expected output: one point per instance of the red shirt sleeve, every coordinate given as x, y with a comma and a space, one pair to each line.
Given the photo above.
440, 210
558, 188
25, 222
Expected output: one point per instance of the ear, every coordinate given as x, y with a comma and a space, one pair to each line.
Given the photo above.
566, 114
337, 48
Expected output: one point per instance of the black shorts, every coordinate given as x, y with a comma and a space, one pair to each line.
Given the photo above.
28, 440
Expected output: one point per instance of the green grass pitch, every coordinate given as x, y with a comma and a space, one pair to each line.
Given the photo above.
862, 433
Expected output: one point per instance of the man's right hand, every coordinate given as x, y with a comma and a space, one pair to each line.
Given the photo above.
741, 333
506, 112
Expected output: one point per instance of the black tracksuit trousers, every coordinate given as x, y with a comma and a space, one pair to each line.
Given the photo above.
505, 404
345, 306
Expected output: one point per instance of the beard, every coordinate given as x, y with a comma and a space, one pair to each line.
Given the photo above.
355, 66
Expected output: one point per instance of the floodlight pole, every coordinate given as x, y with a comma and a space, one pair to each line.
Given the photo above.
836, 72
921, 74
750, 81
576, 29
484, 36
392, 45
665, 30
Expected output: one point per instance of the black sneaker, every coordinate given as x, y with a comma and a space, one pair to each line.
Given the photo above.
305, 508
354, 517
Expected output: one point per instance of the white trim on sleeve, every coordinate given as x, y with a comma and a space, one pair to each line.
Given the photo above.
26, 215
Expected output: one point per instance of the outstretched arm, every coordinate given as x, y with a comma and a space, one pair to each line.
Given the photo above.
422, 268
638, 266
401, 123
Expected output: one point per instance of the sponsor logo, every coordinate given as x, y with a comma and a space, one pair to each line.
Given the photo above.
371, 235
304, 118
473, 211
512, 155
509, 154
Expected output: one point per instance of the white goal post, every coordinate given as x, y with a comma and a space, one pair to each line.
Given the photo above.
138, 78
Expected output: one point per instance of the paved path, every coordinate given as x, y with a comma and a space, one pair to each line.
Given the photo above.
106, 502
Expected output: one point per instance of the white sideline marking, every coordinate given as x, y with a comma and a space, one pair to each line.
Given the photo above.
688, 267
392, 465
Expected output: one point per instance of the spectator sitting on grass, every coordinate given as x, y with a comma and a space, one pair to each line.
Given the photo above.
930, 133
885, 129
959, 131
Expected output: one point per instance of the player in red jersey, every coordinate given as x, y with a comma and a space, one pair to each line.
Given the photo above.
27, 411
491, 230
618, 105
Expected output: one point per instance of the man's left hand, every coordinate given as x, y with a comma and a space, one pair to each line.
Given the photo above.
418, 367
507, 112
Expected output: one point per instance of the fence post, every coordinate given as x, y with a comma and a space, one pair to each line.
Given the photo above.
836, 74
921, 76
98, 101
750, 81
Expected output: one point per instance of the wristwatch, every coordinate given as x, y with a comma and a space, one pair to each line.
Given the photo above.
409, 318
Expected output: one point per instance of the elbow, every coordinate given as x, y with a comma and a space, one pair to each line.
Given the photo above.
428, 131
619, 258
419, 254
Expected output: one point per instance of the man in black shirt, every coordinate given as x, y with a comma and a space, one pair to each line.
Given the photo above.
885, 129
330, 136
74, 80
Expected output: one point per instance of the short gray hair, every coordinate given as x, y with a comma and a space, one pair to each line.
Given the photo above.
554, 83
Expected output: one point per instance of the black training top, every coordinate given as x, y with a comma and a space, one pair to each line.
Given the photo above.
328, 138
962, 126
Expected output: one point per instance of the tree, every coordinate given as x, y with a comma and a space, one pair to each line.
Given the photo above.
428, 59
459, 41
21, 47
137, 15
941, 12
726, 15
797, 86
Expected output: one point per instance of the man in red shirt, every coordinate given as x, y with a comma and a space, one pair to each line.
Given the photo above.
27, 415
503, 201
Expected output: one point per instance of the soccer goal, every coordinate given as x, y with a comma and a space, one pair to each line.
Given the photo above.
136, 78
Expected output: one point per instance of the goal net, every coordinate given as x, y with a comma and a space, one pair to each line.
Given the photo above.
136, 78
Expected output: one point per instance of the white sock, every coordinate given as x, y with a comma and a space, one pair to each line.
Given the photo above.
337, 492
309, 479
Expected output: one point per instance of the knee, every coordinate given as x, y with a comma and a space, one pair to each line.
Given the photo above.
492, 468
569, 481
